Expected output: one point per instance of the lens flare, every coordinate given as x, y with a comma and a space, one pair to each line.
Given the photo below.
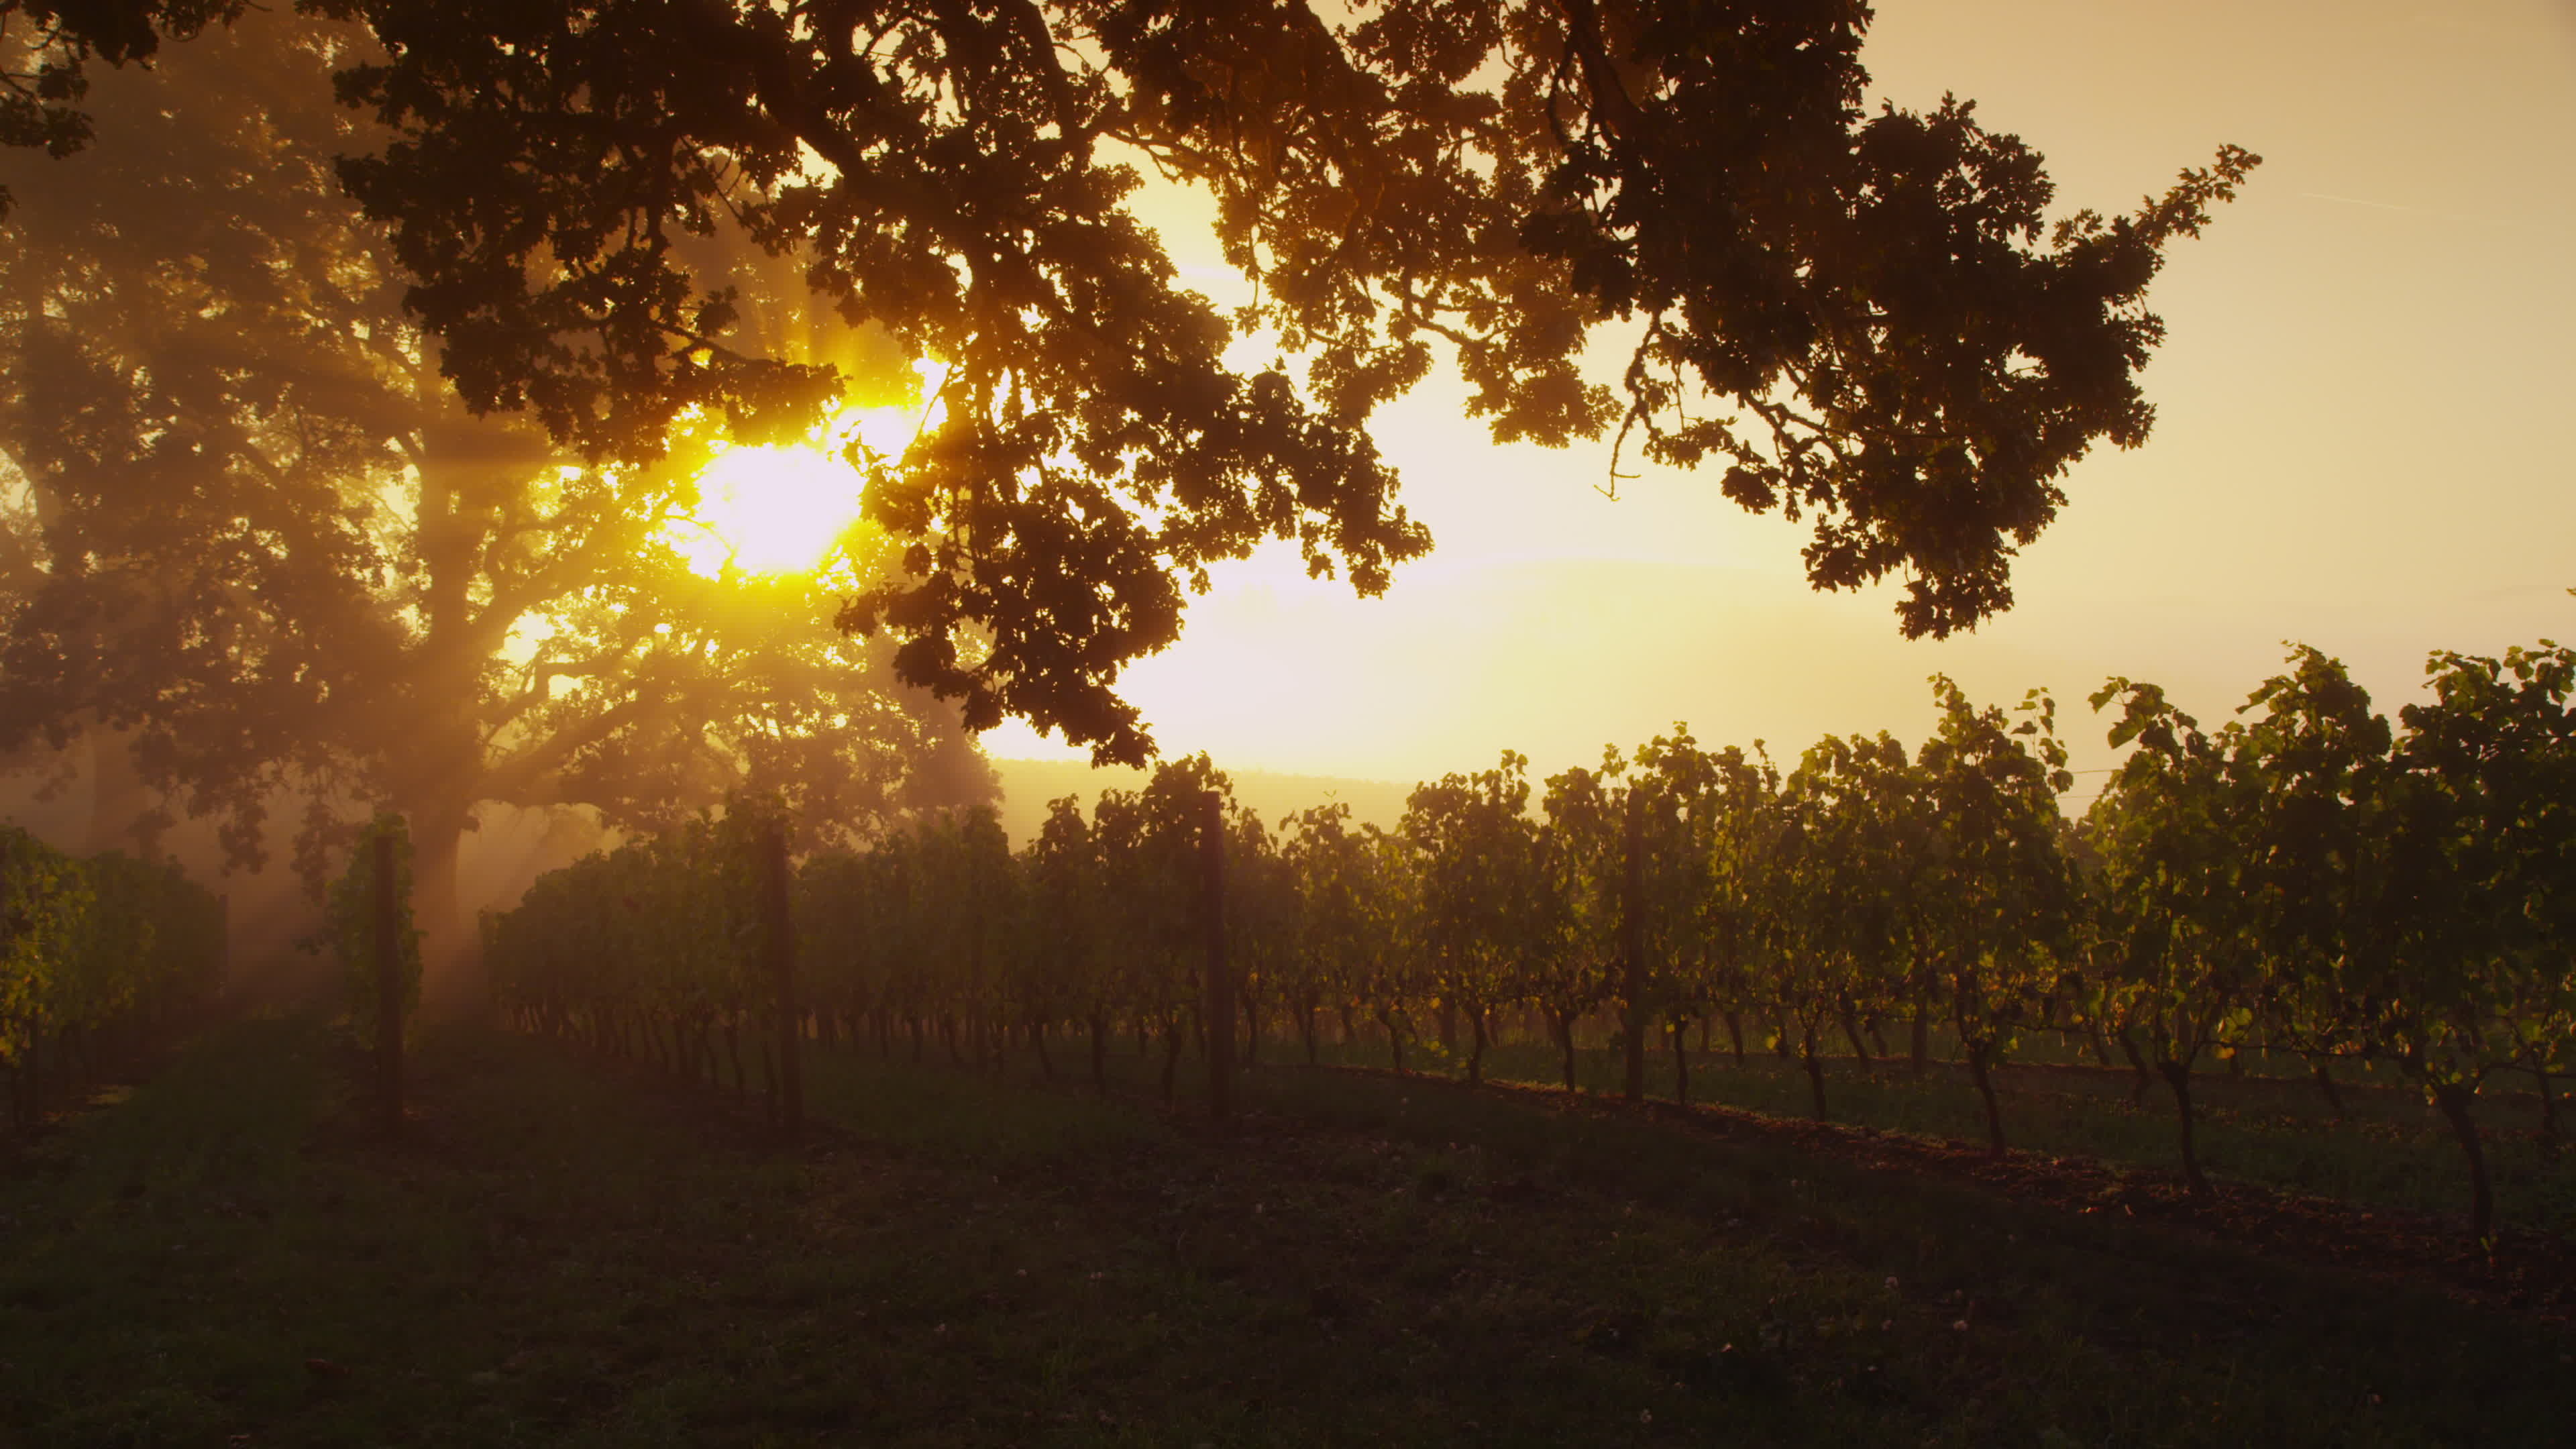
782, 510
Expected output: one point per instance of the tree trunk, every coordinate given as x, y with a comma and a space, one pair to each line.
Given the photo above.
1563, 1022
1922, 1042
33, 1073
1851, 1033
1394, 1039
121, 814
771, 1110
2101, 1048
1632, 947
1978, 1072
1171, 1059
391, 986
2454, 1101
1815, 1070
2325, 1083
2178, 1076
1306, 1031
452, 986
1217, 1011
1038, 1038
2548, 1099
1735, 1034
2138, 1063
1681, 1063
1476, 1047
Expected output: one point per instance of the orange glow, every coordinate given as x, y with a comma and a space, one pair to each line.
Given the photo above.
785, 509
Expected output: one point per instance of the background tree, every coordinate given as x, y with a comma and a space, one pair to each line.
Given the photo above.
1478, 855
2395, 902
1148, 841
2183, 964
965, 894
1328, 863
272, 551
2002, 889
841, 941
1862, 846
48, 46
1678, 782
1393, 979
1263, 921
1067, 896
2500, 738
1582, 852
1817, 880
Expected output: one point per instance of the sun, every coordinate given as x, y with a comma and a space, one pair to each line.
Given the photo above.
786, 509
768, 511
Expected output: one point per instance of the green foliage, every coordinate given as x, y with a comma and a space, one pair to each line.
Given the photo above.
43, 903
1483, 896
2177, 952
1998, 889
2305, 880
88, 944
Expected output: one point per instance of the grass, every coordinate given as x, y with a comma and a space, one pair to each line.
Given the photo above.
2388, 1149
564, 1254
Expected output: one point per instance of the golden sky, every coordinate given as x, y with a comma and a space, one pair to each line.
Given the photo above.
2358, 446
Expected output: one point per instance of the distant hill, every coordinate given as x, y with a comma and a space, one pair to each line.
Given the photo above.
1027, 786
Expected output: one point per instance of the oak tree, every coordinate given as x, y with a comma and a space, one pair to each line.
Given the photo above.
264, 548
1870, 321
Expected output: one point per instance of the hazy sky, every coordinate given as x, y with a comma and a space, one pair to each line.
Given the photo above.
2359, 409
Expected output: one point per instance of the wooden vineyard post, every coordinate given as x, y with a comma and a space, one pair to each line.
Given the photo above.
779, 939
1632, 950
389, 988
1220, 981
23, 1102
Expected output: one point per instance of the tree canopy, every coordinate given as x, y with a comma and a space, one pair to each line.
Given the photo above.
257, 543
1870, 321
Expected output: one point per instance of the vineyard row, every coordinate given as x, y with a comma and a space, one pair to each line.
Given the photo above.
2306, 878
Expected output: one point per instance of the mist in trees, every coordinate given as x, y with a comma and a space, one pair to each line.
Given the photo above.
259, 555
